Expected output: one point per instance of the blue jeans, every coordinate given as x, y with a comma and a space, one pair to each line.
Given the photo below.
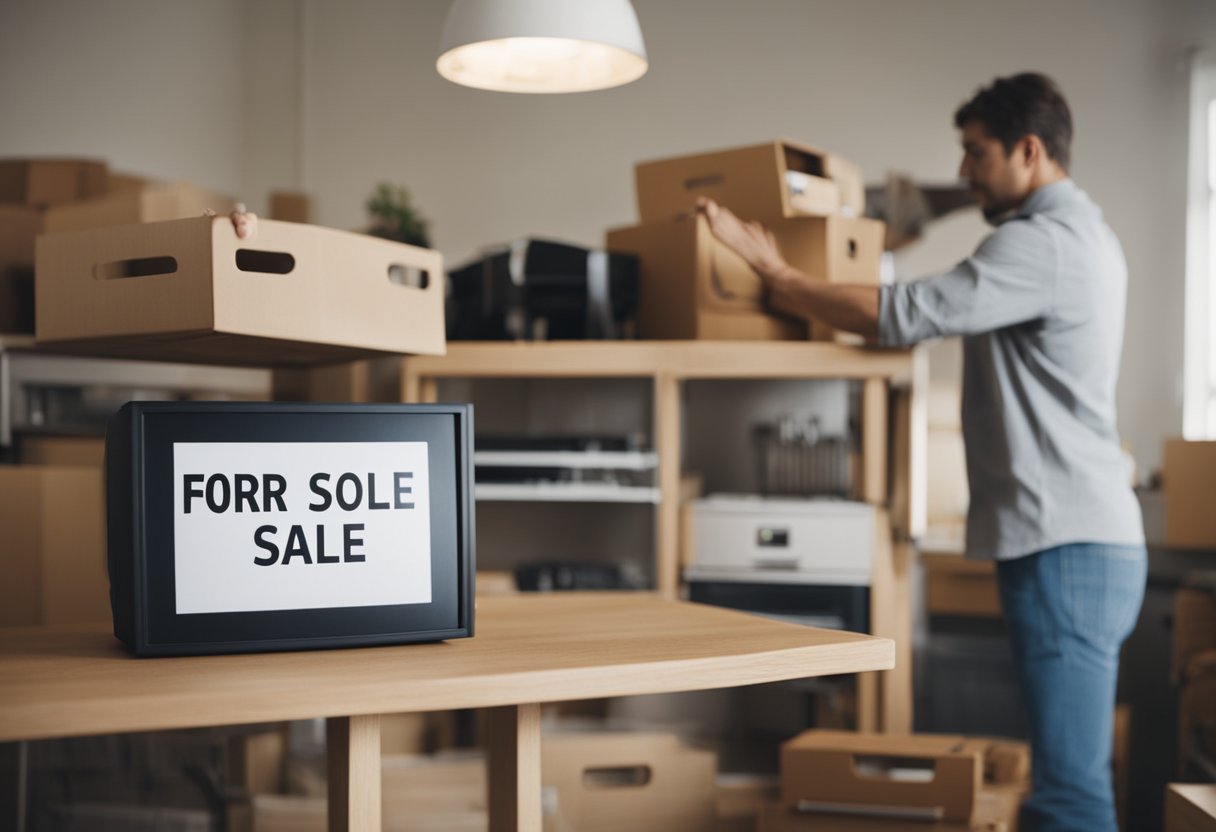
1068, 610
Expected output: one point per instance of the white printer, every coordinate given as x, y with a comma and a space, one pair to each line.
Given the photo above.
753, 539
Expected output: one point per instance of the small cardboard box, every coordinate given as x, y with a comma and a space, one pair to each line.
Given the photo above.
190, 290
52, 449
1188, 474
636, 781
127, 200
50, 181
996, 811
765, 182
694, 287
53, 548
940, 773
134, 201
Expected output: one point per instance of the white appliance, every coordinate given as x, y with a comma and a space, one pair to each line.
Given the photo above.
745, 538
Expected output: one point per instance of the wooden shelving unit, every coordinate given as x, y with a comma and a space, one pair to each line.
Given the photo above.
893, 429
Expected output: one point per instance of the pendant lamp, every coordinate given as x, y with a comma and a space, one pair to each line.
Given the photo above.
541, 46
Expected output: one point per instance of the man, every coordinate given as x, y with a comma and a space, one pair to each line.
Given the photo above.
1040, 308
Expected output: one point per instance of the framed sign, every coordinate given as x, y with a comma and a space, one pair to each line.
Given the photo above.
241, 527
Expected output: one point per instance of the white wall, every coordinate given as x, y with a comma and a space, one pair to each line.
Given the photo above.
338, 96
152, 87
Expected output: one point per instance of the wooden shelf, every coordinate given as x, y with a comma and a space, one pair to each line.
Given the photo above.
683, 359
893, 427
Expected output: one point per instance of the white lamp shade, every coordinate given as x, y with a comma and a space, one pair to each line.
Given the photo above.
541, 46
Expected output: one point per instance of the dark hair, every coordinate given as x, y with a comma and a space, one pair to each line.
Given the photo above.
1019, 106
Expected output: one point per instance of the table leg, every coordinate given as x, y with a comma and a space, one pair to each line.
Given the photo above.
353, 746
514, 768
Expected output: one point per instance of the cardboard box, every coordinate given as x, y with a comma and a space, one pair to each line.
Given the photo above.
1190, 807
957, 586
19, 226
941, 773
996, 811
740, 798
1188, 473
136, 201
70, 451
694, 287
765, 182
445, 792
257, 762
53, 549
128, 199
636, 781
289, 206
189, 290
40, 182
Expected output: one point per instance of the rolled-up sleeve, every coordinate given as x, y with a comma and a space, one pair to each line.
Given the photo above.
1009, 280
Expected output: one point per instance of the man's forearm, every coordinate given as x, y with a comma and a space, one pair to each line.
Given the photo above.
852, 307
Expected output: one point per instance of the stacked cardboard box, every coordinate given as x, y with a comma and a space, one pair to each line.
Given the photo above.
1188, 474
694, 287
38, 196
52, 551
833, 781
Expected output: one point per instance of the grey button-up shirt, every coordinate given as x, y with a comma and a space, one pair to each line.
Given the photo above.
1040, 307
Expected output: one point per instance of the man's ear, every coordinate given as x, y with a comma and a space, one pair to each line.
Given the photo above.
1030, 150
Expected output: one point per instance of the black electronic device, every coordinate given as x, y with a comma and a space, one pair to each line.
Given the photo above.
542, 290
243, 527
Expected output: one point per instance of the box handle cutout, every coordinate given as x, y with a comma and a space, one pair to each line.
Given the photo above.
802, 162
894, 769
703, 181
616, 777
265, 262
412, 276
852, 249
136, 267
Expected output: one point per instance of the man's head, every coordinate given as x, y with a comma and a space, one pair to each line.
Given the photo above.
1016, 138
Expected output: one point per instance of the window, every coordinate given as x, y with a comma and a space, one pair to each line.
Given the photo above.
1199, 390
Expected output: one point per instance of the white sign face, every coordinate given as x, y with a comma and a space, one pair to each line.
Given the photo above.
300, 525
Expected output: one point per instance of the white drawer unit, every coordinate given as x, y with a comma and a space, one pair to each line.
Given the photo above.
752, 538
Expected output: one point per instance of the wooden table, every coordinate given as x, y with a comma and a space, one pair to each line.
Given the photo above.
528, 650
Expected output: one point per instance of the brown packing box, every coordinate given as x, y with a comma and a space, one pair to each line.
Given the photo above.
739, 799
128, 199
445, 792
289, 206
190, 290
693, 287
53, 548
19, 226
606, 782
51, 181
72, 451
1188, 474
996, 811
839, 767
763, 182
836, 249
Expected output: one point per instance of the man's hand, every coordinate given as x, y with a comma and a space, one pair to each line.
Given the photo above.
750, 240
244, 223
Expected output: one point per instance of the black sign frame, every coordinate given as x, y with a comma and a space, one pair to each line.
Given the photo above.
139, 495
